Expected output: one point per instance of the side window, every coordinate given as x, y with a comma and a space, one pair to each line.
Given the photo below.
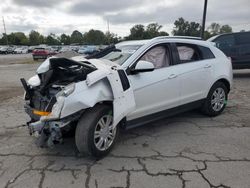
225, 41
158, 55
206, 53
188, 53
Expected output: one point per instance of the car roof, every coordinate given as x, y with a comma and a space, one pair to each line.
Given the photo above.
179, 39
142, 42
132, 42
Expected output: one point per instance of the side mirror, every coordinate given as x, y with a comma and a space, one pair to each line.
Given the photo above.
143, 66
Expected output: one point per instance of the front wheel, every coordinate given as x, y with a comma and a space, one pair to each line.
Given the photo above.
216, 100
95, 134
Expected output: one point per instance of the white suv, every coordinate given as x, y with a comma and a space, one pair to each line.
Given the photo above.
123, 86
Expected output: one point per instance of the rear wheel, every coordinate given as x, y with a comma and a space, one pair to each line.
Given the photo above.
95, 134
216, 100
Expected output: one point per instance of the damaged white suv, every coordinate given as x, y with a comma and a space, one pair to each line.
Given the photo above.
123, 86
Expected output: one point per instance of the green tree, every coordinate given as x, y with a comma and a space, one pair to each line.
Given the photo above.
214, 29
11, 38
94, 37
42, 39
111, 38
76, 37
65, 39
153, 30
52, 39
163, 33
226, 29
185, 28
3, 40
137, 32
35, 38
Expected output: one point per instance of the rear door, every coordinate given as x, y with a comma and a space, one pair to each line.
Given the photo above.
195, 64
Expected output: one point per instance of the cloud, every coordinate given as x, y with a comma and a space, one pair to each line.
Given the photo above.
54, 16
223, 12
26, 28
36, 3
161, 14
99, 7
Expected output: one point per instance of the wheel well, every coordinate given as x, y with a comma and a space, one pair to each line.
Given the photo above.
226, 82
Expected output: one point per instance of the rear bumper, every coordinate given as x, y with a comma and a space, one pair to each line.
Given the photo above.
40, 56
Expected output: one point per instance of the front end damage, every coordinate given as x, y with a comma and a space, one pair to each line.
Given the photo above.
57, 96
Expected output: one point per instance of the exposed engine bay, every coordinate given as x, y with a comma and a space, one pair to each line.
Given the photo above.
41, 89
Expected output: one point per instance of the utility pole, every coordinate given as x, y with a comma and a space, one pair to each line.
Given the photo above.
108, 24
5, 32
108, 31
204, 19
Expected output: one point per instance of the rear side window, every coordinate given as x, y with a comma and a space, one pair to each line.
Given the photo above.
192, 53
206, 53
188, 53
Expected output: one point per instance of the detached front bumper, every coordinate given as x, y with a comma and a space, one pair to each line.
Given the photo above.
48, 128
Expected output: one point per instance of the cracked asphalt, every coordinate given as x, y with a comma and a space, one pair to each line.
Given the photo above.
186, 151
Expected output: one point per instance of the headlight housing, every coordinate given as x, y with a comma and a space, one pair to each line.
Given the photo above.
57, 107
69, 89
56, 110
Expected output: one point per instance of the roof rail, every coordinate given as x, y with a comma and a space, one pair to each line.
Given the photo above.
177, 37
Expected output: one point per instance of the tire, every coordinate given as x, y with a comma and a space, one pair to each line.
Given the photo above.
88, 125
214, 106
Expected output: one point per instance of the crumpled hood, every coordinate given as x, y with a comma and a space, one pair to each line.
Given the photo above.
98, 63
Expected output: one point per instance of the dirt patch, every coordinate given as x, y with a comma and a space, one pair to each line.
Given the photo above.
11, 92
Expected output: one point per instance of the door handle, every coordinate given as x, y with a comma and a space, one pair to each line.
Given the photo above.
172, 76
207, 66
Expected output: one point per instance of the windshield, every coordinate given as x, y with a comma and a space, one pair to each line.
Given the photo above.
121, 54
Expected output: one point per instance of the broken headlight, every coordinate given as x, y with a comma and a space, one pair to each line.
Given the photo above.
57, 107
56, 110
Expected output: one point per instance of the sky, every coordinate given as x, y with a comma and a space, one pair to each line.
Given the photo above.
53, 16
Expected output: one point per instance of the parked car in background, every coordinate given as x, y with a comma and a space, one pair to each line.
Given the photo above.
65, 49
88, 50
7, 50
74, 48
236, 46
42, 53
55, 48
21, 50
31, 48
124, 86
